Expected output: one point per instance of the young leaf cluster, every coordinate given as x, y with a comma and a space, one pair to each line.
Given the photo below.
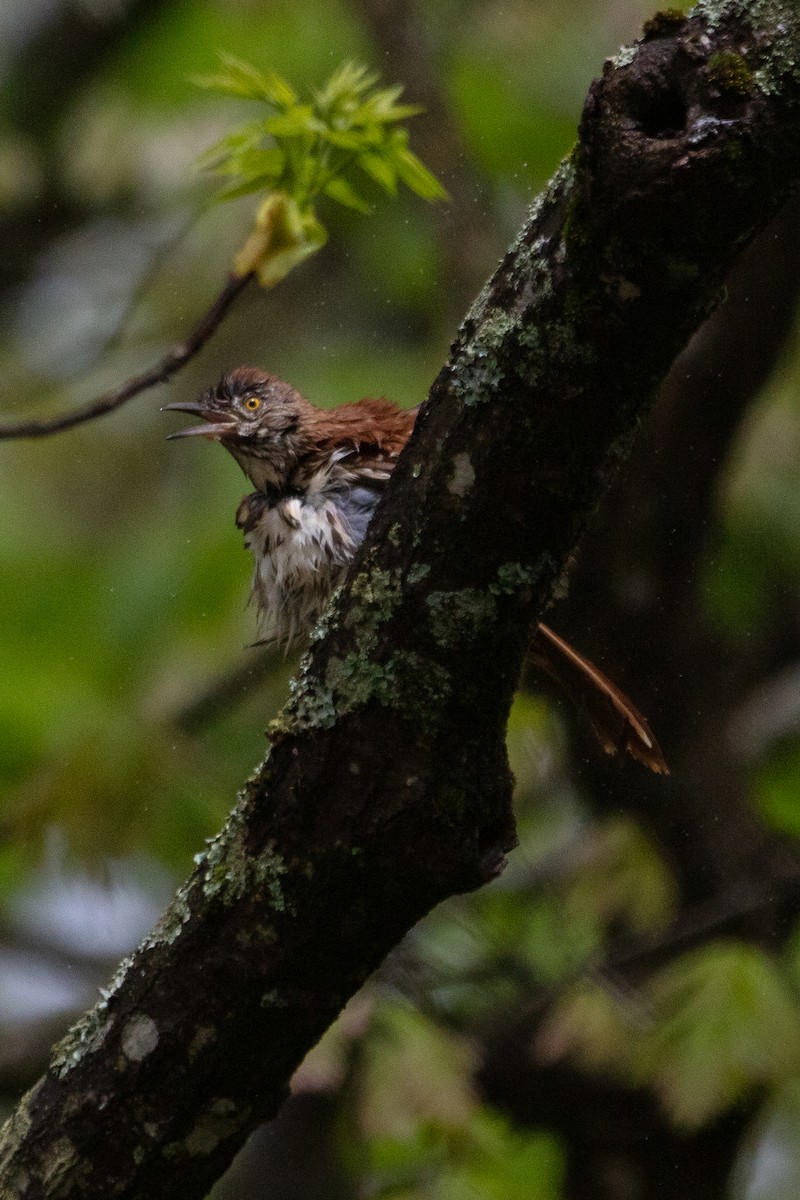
325, 144
713, 1029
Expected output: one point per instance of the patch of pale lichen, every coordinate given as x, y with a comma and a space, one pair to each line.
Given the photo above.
172, 922
204, 1035
624, 57
351, 681
354, 680
273, 999
564, 343
328, 618
512, 577
85, 1037
497, 327
14, 1131
415, 687
312, 705
222, 1120
59, 1162
410, 685
374, 595
479, 375
559, 184
417, 573
716, 12
117, 978
531, 270
228, 871
211, 1128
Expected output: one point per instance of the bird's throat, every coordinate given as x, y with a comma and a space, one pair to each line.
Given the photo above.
262, 471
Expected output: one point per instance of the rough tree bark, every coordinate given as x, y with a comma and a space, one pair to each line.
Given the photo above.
387, 788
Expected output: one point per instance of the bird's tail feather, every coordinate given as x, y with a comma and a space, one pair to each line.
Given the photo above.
616, 722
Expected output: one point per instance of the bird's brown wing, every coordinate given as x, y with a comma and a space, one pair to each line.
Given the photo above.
371, 427
616, 722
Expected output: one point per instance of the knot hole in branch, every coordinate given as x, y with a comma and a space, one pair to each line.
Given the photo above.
658, 108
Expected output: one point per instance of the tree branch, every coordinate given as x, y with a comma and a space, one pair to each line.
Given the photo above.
387, 787
175, 358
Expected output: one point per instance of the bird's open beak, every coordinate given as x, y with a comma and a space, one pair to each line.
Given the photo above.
218, 424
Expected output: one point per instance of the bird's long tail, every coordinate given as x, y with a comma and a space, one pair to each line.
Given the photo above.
617, 723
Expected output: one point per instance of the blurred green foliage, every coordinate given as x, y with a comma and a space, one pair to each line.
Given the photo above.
418, 1129
711, 1029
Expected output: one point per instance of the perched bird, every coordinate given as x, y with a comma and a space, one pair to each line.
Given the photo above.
318, 477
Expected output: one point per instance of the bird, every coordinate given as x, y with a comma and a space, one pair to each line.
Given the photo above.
318, 475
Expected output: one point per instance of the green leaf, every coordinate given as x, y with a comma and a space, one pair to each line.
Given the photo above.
341, 191
423, 1129
504, 1163
416, 176
298, 121
380, 170
382, 106
241, 139
347, 83
246, 81
725, 1023
399, 112
589, 1024
621, 879
266, 164
247, 187
777, 787
343, 139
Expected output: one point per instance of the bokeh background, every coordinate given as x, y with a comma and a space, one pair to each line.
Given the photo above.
619, 1015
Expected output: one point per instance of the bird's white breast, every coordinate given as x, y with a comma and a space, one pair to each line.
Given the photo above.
302, 547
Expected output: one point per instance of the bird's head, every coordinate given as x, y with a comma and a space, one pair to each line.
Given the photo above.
257, 417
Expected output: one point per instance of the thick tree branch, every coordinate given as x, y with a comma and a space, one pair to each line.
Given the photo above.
387, 787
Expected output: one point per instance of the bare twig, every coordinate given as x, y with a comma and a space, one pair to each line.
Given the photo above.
164, 369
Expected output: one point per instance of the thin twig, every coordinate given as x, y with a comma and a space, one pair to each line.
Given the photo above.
172, 361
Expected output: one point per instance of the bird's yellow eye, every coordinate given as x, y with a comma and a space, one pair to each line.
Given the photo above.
252, 404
